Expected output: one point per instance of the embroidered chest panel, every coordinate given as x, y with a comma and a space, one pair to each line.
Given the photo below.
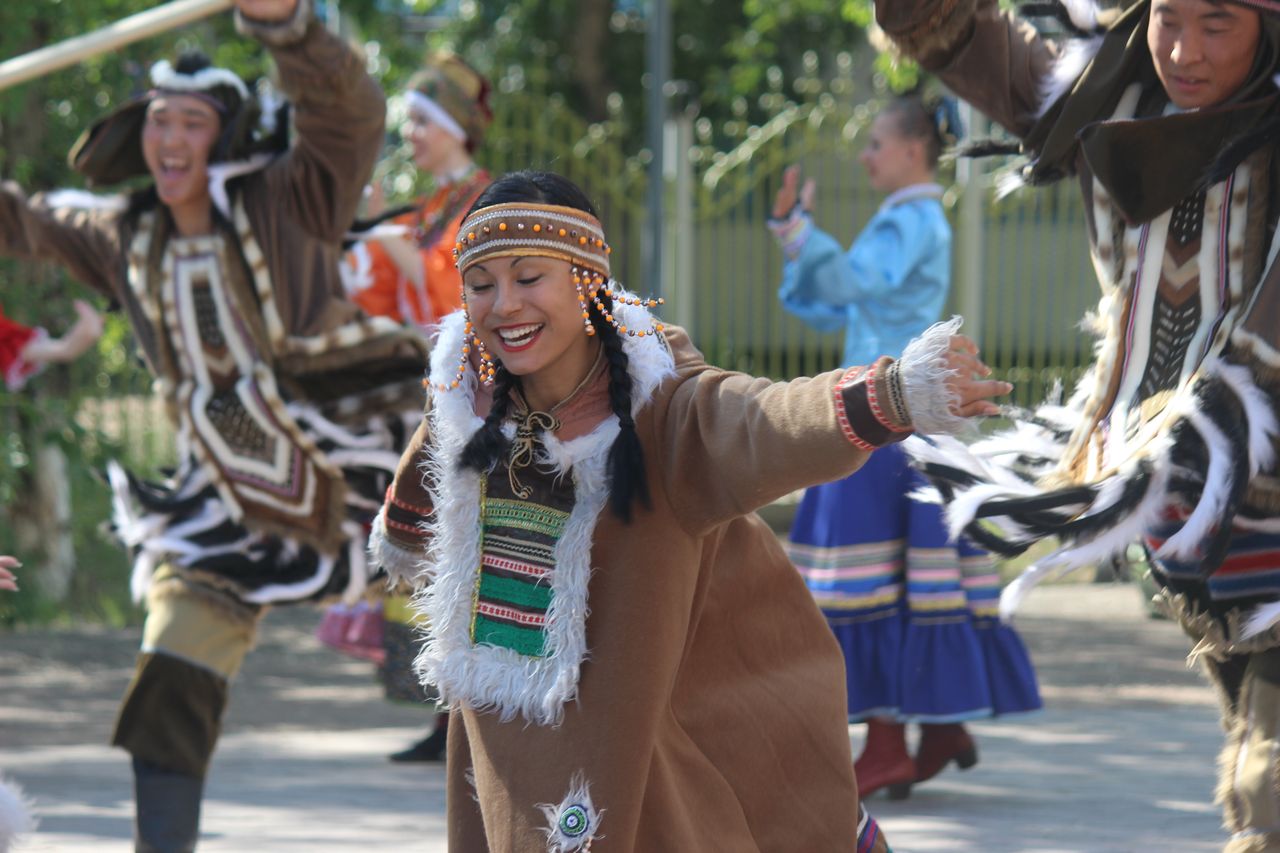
517, 559
230, 412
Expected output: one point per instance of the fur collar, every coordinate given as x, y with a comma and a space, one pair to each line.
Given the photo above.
489, 678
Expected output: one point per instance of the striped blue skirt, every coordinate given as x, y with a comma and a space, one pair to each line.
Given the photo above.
915, 614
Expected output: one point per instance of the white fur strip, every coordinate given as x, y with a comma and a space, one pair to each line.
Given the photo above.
924, 373
1258, 410
1067, 68
165, 76
1260, 619
15, 814
1184, 544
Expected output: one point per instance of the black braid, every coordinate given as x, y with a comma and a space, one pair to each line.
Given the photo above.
626, 458
488, 444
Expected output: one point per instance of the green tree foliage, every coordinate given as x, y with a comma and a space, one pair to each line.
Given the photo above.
723, 54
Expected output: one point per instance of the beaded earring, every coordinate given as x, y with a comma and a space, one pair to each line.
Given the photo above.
591, 284
469, 339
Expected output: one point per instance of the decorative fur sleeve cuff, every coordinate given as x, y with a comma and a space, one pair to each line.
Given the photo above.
923, 374
277, 33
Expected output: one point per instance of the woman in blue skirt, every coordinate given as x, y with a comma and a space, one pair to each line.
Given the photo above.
915, 613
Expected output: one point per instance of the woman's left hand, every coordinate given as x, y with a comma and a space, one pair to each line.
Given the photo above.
8, 580
969, 380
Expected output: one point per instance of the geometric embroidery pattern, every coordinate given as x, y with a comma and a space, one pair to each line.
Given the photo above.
513, 590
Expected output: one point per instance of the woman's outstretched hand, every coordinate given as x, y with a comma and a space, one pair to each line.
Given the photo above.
791, 192
969, 380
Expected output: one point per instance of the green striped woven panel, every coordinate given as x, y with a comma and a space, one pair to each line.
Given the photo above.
513, 590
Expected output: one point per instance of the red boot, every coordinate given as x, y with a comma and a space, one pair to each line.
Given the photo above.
940, 744
884, 762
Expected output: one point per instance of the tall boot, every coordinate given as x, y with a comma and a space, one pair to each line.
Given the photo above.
884, 762
167, 808
940, 744
430, 748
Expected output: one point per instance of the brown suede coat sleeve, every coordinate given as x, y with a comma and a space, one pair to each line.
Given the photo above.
992, 59
711, 710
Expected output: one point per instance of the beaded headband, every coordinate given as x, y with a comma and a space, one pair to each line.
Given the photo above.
547, 231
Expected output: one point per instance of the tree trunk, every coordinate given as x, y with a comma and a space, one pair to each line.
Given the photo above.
590, 41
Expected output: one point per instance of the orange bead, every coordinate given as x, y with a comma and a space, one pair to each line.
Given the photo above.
537, 228
471, 235
502, 226
622, 328
562, 232
582, 241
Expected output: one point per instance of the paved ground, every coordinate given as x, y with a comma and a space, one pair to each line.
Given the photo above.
1122, 759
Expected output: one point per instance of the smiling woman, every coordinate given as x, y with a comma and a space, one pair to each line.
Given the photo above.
607, 616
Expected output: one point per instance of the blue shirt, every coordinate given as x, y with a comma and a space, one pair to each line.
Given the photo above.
888, 288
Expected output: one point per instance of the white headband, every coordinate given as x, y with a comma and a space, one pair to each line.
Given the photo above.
436, 114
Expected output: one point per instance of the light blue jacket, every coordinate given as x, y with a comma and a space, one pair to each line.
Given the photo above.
888, 288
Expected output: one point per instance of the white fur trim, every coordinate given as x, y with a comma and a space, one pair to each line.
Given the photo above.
400, 565
435, 113
221, 173
16, 812
1067, 68
81, 200
574, 823
487, 677
164, 76
924, 375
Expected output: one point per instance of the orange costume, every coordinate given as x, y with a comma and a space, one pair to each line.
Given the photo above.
383, 290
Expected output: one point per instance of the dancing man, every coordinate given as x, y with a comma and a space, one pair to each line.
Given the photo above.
1171, 436
288, 402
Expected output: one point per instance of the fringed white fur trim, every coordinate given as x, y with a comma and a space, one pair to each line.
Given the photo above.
488, 677
165, 76
575, 822
1067, 68
81, 200
400, 565
924, 381
16, 814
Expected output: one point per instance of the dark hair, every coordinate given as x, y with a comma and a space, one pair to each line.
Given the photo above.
627, 482
936, 121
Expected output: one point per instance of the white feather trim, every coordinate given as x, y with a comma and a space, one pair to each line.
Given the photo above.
1207, 512
165, 76
1083, 13
1258, 410
16, 814
1260, 619
1067, 68
924, 375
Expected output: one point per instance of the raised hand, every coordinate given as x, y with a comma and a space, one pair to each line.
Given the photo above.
790, 192
267, 10
8, 580
969, 380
